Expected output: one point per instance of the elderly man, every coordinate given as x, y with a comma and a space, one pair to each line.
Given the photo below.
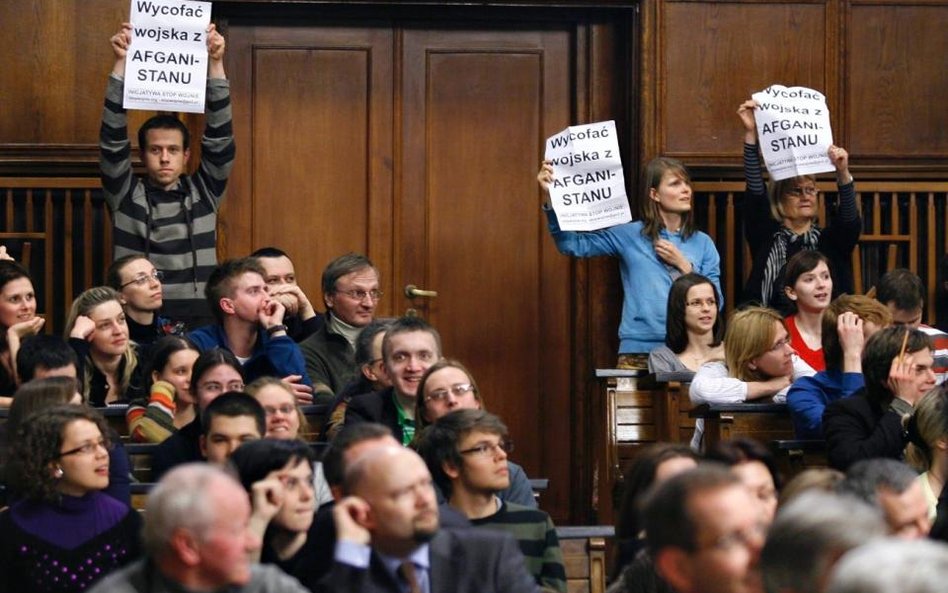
197, 539
388, 536
705, 532
894, 489
351, 294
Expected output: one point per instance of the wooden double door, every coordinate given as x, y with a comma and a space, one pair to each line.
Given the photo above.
418, 145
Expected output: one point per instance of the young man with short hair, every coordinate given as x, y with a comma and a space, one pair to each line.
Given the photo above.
42, 356
250, 325
466, 453
168, 216
301, 318
410, 346
230, 420
904, 294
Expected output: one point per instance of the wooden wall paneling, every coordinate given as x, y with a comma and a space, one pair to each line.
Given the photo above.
473, 102
896, 83
313, 120
714, 55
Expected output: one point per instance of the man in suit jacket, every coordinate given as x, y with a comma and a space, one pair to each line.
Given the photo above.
389, 541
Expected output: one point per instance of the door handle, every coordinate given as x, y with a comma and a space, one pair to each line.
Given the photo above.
412, 291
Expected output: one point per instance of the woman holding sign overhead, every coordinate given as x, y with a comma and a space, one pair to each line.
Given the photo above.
780, 220
653, 252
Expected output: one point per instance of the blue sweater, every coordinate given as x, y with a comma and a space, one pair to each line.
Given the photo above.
809, 396
274, 357
646, 279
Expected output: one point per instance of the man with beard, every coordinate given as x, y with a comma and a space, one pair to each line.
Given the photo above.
388, 536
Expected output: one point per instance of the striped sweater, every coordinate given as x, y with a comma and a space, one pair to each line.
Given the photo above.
536, 536
176, 230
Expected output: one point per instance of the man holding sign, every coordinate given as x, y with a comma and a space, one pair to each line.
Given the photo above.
780, 221
169, 216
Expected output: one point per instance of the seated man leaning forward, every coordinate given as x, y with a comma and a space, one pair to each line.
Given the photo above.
388, 536
466, 453
198, 538
410, 346
250, 325
301, 318
351, 293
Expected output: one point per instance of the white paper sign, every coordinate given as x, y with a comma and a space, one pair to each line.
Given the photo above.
166, 64
588, 188
793, 126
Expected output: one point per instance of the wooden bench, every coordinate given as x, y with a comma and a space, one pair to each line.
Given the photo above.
584, 557
763, 422
794, 456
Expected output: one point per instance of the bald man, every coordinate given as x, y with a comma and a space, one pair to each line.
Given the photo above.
389, 539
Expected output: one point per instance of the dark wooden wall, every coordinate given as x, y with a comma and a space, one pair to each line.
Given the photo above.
670, 72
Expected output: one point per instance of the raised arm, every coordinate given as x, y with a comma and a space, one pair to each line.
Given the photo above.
115, 163
217, 144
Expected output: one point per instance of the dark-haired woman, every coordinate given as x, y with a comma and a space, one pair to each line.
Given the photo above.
781, 221
755, 466
278, 477
170, 404
653, 252
694, 331
17, 320
808, 286
64, 534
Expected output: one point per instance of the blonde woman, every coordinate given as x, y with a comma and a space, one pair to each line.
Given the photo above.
758, 363
108, 360
928, 444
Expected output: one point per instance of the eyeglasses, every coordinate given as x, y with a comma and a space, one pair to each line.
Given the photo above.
215, 387
360, 295
698, 303
285, 409
143, 279
88, 448
799, 191
489, 449
781, 344
457, 390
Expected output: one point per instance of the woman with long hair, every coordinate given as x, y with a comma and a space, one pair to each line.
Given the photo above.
781, 220
694, 330
108, 360
170, 404
653, 252
64, 534
808, 286
928, 444
18, 320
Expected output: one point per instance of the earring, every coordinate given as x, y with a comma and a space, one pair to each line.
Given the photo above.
58, 472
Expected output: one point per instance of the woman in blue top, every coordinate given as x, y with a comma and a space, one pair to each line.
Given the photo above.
652, 252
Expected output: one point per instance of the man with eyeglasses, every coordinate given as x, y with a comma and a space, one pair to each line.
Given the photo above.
350, 285
705, 532
250, 325
139, 284
466, 453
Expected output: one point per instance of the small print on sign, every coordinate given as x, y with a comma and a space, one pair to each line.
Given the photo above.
588, 187
793, 126
166, 64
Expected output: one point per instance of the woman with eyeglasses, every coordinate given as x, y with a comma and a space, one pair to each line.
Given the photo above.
278, 476
170, 404
108, 366
808, 286
758, 363
693, 328
781, 220
18, 320
446, 386
139, 284
65, 533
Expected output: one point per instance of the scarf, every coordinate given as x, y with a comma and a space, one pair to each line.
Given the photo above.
778, 256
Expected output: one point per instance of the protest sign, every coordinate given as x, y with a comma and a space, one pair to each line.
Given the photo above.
588, 188
166, 63
794, 130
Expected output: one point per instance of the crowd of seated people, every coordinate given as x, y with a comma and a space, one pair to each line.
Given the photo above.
418, 490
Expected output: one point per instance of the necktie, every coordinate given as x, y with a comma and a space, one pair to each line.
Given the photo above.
407, 572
